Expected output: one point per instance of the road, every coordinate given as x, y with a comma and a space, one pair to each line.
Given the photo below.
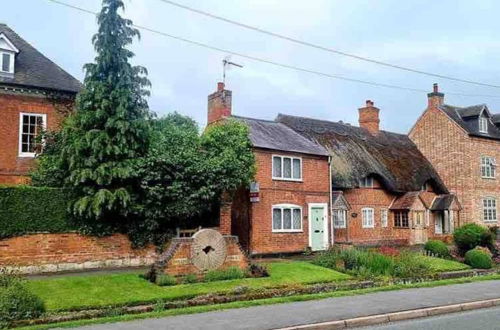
480, 319
307, 312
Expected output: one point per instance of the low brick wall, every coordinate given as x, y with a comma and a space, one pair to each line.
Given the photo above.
46, 253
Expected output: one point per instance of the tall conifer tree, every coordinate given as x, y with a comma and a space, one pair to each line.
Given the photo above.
109, 131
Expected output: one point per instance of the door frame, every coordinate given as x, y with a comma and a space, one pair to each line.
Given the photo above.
310, 206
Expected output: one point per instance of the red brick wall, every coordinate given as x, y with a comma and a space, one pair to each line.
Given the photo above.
13, 168
456, 157
62, 252
314, 188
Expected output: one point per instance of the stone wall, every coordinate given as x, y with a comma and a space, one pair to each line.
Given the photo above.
46, 253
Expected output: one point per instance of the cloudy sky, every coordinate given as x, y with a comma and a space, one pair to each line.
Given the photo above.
456, 38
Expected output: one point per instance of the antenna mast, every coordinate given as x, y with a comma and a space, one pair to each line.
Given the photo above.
226, 65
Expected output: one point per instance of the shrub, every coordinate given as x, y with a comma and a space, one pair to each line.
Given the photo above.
329, 259
190, 278
255, 270
471, 235
411, 265
165, 280
437, 248
25, 209
18, 303
230, 273
477, 258
389, 251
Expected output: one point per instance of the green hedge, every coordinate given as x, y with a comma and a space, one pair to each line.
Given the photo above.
26, 209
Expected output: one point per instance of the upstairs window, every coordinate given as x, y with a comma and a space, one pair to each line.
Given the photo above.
368, 220
287, 168
6, 63
30, 128
366, 182
483, 124
287, 218
489, 209
401, 219
488, 167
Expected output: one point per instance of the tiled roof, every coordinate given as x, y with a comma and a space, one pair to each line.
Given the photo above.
392, 158
468, 119
443, 202
272, 135
33, 69
406, 201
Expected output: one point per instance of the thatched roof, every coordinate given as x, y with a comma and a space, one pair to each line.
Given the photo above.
392, 158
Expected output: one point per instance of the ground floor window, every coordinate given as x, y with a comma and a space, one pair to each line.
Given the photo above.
401, 219
30, 127
339, 218
384, 216
489, 209
367, 215
287, 218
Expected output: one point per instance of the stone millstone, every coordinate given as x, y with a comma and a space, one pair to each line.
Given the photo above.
209, 249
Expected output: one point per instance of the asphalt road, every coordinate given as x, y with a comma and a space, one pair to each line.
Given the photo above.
307, 312
480, 319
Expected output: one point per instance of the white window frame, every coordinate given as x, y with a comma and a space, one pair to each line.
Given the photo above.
384, 218
483, 124
339, 218
488, 165
283, 207
11, 64
490, 213
20, 146
365, 220
282, 178
366, 182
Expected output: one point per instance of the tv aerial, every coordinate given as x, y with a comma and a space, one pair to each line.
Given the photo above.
226, 66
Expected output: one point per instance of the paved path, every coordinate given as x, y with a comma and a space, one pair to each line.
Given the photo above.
480, 319
298, 313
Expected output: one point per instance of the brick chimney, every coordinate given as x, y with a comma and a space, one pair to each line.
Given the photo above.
435, 98
368, 117
219, 104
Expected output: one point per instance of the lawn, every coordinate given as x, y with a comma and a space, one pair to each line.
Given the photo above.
80, 292
444, 265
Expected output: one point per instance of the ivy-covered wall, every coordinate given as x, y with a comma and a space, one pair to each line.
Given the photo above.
26, 209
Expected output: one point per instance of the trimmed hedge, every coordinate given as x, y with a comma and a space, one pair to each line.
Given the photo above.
437, 248
477, 258
26, 209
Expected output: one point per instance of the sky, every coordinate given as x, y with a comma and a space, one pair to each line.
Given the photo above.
454, 38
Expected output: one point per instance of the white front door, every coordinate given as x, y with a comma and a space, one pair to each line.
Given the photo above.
318, 227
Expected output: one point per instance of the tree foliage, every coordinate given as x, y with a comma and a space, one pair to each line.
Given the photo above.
109, 130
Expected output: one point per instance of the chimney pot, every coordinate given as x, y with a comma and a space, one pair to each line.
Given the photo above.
220, 86
435, 99
369, 103
435, 88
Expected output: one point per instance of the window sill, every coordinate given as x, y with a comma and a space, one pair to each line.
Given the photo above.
26, 155
287, 231
488, 177
368, 227
401, 227
289, 180
334, 227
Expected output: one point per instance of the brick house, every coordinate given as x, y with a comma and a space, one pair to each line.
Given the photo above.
292, 211
321, 183
35, 94
384, 191
463, 144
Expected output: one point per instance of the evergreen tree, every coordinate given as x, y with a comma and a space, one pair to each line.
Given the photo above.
109, 131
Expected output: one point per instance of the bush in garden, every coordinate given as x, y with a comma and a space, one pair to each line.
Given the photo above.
437, 248
411, 265
471, 235
329, 259
165, 280
255, 270
230, 273
190, 278
16, 301
389, 251
478, 258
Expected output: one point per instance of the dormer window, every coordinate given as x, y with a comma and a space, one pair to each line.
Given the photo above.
366, 182
483, 124
7, 55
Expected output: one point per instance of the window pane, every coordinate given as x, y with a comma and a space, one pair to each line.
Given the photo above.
296, 169
287, 218
287, 168
276, 219
26, 119
6, 62
297, 219
32, 120
277, 167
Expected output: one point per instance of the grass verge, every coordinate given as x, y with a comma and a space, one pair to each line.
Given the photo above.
81, 292
243, 304
444, 265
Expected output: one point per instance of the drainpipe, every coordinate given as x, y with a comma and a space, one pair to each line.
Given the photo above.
330, 217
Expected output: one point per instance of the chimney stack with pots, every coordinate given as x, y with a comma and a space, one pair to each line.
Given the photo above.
219, 104
435, 99
369, 118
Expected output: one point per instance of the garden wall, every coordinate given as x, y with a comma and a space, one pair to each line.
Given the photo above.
45, 253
